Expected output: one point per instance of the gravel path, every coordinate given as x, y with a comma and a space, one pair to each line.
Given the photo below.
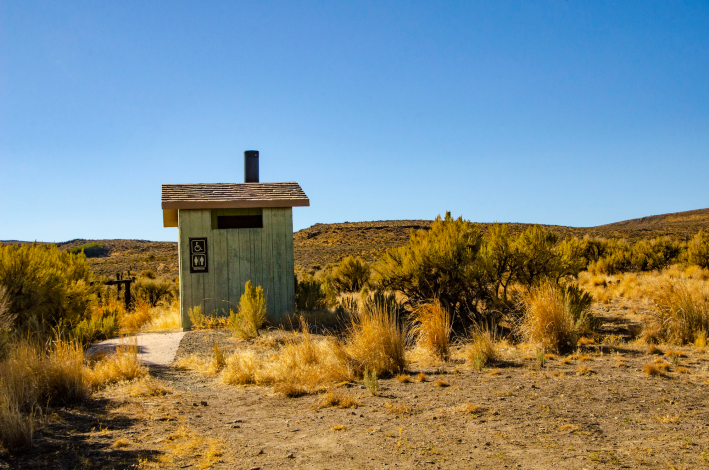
153, 348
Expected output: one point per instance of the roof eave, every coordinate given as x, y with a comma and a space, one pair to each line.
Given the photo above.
234, 204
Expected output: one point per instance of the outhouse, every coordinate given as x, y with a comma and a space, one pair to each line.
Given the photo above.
230, 233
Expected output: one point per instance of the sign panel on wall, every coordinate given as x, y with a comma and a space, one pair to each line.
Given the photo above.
198, 255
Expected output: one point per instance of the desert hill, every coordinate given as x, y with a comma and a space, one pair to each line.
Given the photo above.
320, 244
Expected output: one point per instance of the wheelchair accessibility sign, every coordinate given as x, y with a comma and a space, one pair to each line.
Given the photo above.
198, 255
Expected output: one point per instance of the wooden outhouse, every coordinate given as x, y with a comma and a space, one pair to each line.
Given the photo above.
230, 233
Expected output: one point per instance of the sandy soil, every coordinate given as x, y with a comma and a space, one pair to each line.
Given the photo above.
595, 409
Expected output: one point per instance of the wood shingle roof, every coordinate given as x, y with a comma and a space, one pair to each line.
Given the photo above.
232, 195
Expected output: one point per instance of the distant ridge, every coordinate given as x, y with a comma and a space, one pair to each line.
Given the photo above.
321, 244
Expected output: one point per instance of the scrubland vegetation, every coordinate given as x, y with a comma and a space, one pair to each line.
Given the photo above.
454, 296
51, 308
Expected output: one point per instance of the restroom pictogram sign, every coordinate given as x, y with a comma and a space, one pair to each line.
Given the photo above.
198, 255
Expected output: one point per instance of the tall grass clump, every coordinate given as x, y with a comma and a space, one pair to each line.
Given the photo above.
251, 314
6, 321
376, 339
32, 376
681, 311
122, 365
303, 365
431, 329
555, 316
481, 349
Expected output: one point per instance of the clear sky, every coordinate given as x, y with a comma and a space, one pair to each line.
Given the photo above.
557, 112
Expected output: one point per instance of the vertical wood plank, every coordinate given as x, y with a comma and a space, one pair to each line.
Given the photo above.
267, 269
245, 263
256, 257
233, 268
221, 267
290, 269
208, 278
279, 262
184, 266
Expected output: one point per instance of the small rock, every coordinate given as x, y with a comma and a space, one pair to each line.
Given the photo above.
195, 404
260, 452
290, 456
203, 403
255, 468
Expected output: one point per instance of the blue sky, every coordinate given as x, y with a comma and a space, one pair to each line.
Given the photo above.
559, 112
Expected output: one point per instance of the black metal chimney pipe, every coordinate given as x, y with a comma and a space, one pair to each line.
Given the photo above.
251, 166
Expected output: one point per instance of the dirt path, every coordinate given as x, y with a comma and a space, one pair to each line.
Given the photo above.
156, 349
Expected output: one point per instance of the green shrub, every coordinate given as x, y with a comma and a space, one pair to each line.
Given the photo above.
310, 295
698, 250
97, 328
153, 291
350, 275
436, 264
44, 285
251, 314
90, 250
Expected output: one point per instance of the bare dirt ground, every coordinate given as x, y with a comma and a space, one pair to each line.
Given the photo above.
596, 408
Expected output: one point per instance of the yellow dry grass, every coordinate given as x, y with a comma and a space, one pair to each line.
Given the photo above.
481, 350
302, 365
338, 399
546, 319
681, 311
33, 376
376, 341
431, 329
185, 443
119, 366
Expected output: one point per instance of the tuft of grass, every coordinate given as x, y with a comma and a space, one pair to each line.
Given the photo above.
583, 370
470, 408
338, 427
149, 386
442, 384
541, 357
681, 311
397, 408
32, 376
652, 370
302, 366
218, 360
481, 350
251, 314
421, 377
431, 329
553, 318
117, 367
336, 398
120, 444
375, 339
652, 349
371, 381
583, 341
404, 379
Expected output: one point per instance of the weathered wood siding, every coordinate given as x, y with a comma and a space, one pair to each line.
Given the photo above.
263, 256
